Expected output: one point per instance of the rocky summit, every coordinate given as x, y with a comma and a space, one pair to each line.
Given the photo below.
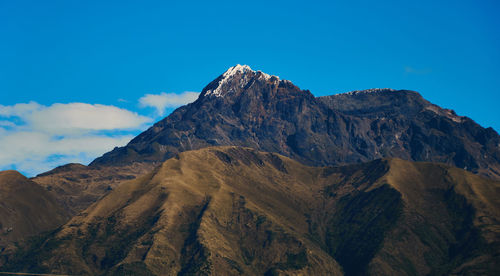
243, 107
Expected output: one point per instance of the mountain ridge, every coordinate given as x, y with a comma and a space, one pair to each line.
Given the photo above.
269, 114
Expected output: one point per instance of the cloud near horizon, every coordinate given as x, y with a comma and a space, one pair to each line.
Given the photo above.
162, 101
35, 138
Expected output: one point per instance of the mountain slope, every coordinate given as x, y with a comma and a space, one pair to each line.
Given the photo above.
26, 209
249, 108
206, 210
232, 210
76, 186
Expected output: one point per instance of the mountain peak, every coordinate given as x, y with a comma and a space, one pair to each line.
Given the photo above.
243, 69
237, 76
237, 68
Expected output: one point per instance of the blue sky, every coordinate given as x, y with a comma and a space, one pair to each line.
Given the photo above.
103, 57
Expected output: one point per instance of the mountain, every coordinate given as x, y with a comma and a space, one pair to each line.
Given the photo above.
259, 177
26, 209
249, 108
233, 211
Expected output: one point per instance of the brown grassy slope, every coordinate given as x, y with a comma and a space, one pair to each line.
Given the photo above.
26, 209
77, 186
451, 220
230, 210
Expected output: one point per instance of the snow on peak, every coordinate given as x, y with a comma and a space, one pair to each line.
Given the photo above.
241, 70
238, 68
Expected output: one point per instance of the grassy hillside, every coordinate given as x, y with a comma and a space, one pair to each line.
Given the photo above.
26, 209
231, 210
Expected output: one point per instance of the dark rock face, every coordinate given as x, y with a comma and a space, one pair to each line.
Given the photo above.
249, 108
403, 124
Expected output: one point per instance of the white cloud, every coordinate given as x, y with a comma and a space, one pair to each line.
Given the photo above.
35, 138
18, 110
167, 100
7, 124
74, 117
36, 152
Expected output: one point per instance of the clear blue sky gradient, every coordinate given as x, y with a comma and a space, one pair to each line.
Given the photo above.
102, 51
